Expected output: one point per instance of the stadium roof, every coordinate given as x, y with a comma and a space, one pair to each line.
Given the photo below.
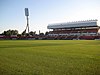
86, 23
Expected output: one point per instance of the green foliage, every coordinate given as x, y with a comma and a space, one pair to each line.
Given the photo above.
10, 32
46, 33
41, 34
32, 33
49, 57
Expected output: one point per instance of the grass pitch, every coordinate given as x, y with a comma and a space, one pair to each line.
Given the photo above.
49, 57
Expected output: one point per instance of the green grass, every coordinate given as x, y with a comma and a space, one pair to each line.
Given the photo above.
49, 57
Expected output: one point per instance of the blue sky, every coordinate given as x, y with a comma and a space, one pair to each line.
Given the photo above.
44, 12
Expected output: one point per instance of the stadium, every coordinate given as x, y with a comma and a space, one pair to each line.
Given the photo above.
88, 30
78, 30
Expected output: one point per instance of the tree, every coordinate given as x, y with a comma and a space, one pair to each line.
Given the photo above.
32, 33
41, 34
15, 32
4, 33
10, 32
46, 33
19, 35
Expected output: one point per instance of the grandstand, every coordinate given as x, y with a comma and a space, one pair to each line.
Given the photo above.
87, 29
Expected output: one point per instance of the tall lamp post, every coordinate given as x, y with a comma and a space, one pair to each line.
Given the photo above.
27, 18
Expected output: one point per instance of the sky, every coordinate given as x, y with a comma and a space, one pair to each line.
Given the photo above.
44, 12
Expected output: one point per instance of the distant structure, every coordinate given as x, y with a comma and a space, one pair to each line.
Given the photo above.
27, 18
87, 29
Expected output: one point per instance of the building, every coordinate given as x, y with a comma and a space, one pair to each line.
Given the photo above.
87, 29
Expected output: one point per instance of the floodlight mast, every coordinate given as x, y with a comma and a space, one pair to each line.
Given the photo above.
27, 18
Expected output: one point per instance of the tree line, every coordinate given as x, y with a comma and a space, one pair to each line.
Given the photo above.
15, 32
